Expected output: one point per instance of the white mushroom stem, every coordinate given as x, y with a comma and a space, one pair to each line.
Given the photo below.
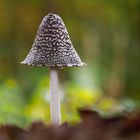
54, 97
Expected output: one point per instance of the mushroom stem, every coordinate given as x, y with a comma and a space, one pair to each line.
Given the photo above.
54, 97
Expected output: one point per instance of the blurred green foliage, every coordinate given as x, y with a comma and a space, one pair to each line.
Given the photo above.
11, 103
105, 35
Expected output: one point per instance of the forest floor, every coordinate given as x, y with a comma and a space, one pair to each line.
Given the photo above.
91, 127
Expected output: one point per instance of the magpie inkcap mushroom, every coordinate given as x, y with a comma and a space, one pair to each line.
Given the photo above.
52, 47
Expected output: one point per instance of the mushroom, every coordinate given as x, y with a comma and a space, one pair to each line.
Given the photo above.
53, 48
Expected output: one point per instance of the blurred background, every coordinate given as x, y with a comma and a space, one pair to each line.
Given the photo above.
106, 37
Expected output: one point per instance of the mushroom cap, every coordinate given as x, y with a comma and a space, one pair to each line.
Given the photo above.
52, 45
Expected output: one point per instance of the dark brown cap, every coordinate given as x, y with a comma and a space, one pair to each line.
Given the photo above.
52, 45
